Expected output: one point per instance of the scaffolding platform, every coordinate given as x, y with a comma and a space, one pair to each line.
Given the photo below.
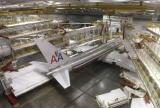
25, 80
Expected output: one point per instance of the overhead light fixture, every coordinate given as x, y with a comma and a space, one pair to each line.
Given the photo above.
148, 1
58, 3
60, 8
56, 21
151, 10
108, 1
49, 2
121, 0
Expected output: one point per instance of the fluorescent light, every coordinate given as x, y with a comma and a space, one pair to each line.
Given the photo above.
60, 8
58, 3
120, 0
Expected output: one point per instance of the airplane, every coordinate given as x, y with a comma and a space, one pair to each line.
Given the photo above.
58, 64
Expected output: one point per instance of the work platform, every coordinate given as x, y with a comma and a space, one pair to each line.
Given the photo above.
26, 79
146, 48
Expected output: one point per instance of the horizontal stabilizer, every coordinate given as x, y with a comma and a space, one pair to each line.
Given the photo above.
62, 77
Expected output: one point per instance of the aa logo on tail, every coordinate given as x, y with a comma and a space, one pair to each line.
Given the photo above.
56, 57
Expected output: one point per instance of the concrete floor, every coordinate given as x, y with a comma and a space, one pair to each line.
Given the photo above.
87, 82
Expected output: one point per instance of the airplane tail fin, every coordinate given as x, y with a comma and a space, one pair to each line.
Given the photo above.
52, 54
54, 58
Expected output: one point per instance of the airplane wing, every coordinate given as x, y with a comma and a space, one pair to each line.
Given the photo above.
121, 59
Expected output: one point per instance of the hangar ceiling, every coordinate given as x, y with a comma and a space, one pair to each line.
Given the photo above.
106, 1
90, 7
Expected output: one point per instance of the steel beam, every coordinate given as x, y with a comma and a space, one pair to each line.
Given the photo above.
80, 6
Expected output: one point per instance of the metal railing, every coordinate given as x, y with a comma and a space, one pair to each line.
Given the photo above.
149, 85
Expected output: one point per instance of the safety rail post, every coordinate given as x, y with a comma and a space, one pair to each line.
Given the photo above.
8, 90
